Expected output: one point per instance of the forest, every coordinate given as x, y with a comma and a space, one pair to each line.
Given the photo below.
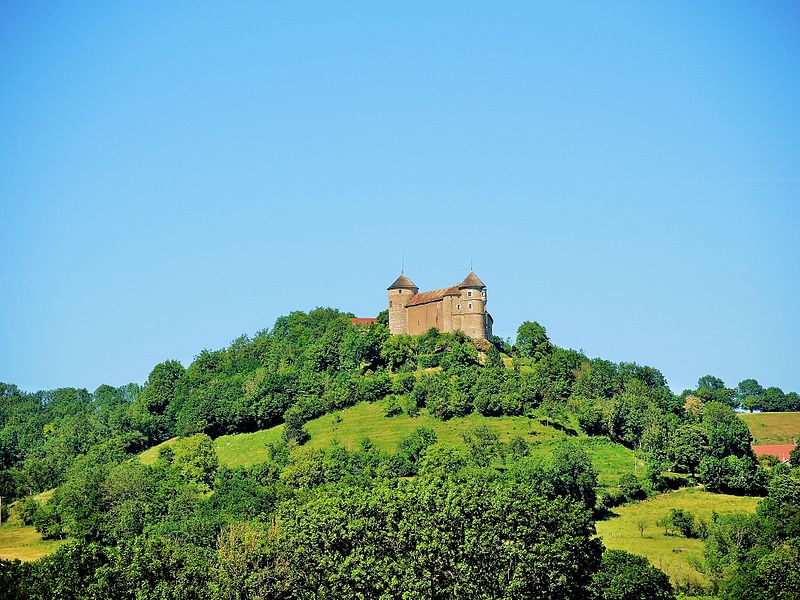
489, 518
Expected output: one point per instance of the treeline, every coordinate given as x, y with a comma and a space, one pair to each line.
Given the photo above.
748, 395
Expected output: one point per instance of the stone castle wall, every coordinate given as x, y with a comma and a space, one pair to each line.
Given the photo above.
466, 312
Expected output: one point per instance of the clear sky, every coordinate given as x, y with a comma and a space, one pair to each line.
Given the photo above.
175, 174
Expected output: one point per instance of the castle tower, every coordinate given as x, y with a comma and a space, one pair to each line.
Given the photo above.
400, 293
474, 319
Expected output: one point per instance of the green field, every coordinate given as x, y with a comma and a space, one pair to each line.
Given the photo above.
672, 554
351, 425
18, 541
773, 427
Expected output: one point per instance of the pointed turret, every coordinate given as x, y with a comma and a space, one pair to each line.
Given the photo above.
471, 280
400, 293
403, 283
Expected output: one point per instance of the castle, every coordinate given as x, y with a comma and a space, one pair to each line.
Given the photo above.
461, 307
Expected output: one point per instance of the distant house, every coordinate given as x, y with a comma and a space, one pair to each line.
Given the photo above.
782, 451
364, 320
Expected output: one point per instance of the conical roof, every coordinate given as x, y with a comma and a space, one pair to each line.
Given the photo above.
472, 280
402, 282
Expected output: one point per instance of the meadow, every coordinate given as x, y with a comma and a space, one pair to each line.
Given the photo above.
366, 420
675, 555
23, 542
773, 427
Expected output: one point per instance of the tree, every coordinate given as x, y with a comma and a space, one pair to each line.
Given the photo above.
241, 559
771, 576
461, 354
159, 391
294, 426
679, 520
689, 446
773, 399
727, 434
748, 388
483, 443
573, 473
196, 459
625, 576
397, 350
712, 389
438, 538
731, 475
412, 447
694, 406
711, 383
493, 358
532, 340
794, 456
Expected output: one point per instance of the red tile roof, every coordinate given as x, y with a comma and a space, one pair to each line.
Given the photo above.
782, 451
433, 295
364, 320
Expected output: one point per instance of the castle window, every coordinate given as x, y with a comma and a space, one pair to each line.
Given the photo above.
469, 305
459, 307
469, 293
390, 304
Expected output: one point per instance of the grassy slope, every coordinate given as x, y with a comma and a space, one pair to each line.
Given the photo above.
773, 428
672, 554
18, 541
349, 426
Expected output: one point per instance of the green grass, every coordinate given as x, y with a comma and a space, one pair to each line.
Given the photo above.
672, 554
239, 450
150, 455
349, 426
23, 542
773, 428
246, 449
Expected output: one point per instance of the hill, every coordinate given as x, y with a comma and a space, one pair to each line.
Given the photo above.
323, 382
347, 427
773, 427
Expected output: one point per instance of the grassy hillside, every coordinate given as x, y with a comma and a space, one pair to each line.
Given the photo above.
349, 426
673, 554
22, 542
773, 428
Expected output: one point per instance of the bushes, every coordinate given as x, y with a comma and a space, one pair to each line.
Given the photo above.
26, 508
681, 522
628, 490
731, 475
625, 576
435, 539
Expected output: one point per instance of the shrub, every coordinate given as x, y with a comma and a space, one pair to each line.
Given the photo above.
26, 509
680, 521
391, 408
625, 576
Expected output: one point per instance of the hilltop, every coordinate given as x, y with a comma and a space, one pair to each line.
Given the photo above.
333, 431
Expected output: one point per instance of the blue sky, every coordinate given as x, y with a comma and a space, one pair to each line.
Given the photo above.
175, 174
